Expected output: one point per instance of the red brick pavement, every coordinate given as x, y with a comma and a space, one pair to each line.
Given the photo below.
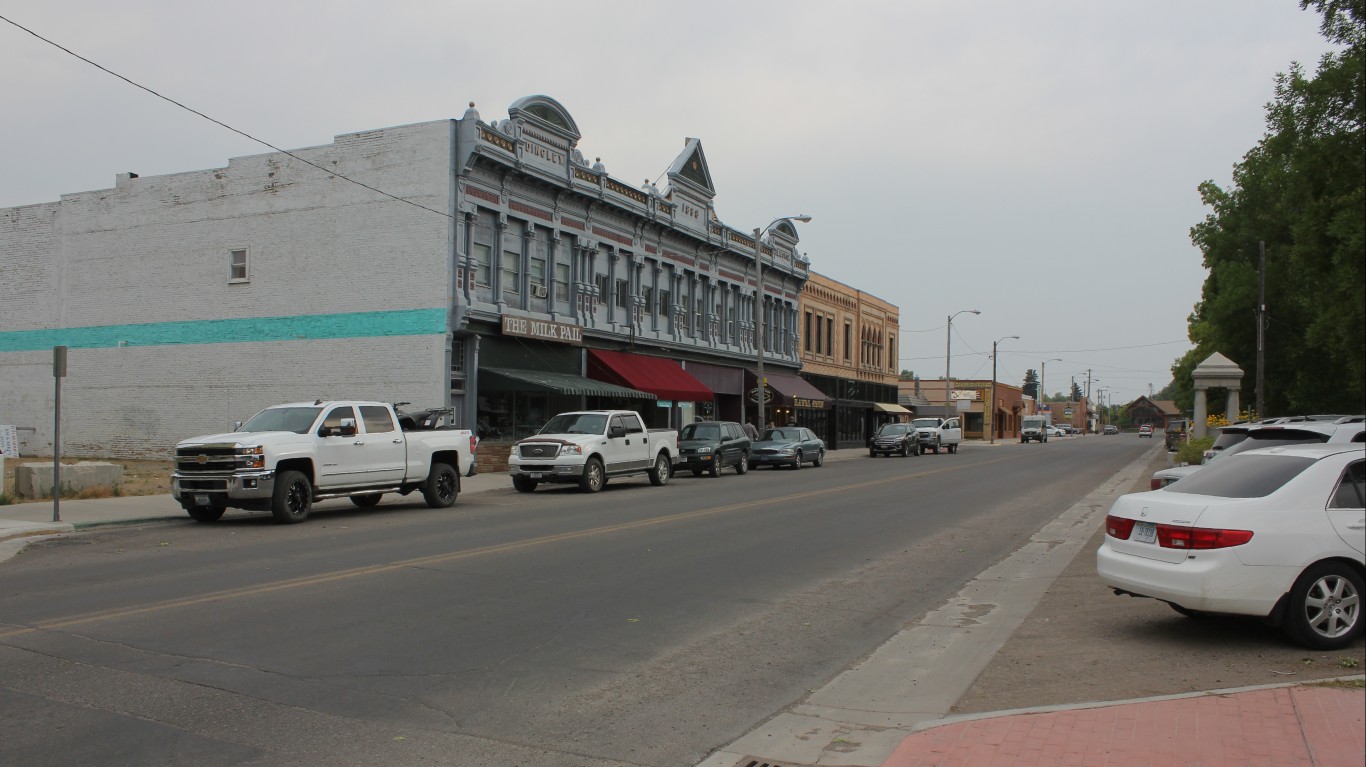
1281, 727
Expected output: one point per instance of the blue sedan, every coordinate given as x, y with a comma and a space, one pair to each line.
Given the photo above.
788, 446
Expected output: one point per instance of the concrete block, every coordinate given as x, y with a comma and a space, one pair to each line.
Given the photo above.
34, 480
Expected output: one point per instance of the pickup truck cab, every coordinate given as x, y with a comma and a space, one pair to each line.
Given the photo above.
289, 456
589, 446
938, 433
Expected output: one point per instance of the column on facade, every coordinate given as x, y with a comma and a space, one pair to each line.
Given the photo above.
464, 257
638, 296
496, 260
1201, 411
693, 319
1231, 407
652, 311
524, 265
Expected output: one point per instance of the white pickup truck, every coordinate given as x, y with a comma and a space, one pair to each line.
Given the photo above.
589, 446
288, 456
938, 433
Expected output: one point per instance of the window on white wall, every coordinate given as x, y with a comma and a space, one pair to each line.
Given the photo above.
237, 266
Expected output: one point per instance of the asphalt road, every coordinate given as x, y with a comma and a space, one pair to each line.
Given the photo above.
638, 626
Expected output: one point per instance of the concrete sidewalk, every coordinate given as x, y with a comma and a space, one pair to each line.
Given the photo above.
26, 520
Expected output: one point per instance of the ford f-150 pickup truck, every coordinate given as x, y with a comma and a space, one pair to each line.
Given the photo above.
288, 456
938, 433
588, 447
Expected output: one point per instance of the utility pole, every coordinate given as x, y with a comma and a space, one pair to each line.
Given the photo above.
1261, 333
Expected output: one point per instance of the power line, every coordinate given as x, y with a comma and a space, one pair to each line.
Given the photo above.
220, 123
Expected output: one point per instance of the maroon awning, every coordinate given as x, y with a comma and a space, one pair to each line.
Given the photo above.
661, 377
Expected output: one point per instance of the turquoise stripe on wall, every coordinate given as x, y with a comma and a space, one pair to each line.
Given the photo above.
406, 322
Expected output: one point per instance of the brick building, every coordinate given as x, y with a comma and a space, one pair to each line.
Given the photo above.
849, 352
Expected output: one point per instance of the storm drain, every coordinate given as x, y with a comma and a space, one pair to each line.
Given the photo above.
750, 761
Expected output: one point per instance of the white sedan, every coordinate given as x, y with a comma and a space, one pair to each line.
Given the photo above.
1277, 533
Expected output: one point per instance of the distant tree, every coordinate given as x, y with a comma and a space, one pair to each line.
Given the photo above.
1076, 392
1031, 383
907, 375
1301, 192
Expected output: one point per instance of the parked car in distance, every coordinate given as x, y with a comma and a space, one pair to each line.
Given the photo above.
1228, 437
1275, 533
1057, 431
1176, 434
1347, 429
937, 433
710, 446
1146, 430
1110, 429
1034, 427
895, 438
787, 446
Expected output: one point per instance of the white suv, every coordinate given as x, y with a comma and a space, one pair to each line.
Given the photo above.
1276, 434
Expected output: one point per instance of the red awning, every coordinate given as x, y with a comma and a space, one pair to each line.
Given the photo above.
661, 377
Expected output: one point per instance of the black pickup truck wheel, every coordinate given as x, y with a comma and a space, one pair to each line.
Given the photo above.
442, 486
293, 498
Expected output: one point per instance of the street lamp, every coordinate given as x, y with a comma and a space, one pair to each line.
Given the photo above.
1043, 390
762, 389
993, 384
948, 357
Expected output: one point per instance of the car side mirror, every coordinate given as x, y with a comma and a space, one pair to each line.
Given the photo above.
616, 432
348, 427
236, 425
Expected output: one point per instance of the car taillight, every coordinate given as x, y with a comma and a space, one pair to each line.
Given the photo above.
1118, 527
1177, 537
1155, 484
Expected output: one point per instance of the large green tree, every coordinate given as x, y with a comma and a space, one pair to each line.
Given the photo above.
1302, 193
1031, 384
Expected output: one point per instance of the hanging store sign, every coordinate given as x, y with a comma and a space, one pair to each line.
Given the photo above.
525, 327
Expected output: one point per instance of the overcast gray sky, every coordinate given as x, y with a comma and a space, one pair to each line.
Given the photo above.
1034, 160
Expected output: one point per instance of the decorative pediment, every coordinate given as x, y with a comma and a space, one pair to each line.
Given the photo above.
548, 114
690, 171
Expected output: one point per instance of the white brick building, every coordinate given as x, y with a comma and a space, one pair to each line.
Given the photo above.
192, 300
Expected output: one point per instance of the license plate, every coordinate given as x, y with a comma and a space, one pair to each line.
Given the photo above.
201, 500
534, 474
1145, 532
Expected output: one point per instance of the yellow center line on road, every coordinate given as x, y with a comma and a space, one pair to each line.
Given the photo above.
340, 575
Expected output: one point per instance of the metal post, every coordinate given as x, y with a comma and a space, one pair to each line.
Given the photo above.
993, 392
58, 373
1261, 334
762, 405
993, 385
1043, 390
762, 390
948, 357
